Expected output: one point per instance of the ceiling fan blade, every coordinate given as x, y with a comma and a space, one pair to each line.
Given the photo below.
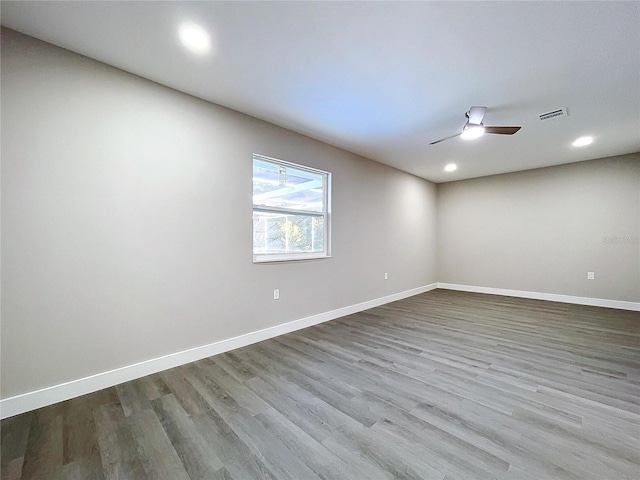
502, 130
476, 114
446, 138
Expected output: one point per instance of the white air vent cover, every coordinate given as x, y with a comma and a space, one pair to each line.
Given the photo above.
561, 112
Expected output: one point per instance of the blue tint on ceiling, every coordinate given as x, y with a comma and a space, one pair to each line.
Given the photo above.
359, 106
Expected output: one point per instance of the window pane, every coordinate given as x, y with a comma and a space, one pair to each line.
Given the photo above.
276, 233
290, 211
284, 186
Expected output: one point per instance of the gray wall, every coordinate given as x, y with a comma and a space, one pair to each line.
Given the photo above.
543, 230
126, 222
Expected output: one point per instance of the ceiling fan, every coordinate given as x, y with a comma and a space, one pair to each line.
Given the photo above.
474, 127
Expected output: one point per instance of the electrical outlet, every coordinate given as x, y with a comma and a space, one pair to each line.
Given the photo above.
591, 275
276, 294
386, 276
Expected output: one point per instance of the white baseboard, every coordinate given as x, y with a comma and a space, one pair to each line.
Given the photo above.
47, 396
552, 297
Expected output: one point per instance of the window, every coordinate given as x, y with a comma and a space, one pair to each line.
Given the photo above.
290, 211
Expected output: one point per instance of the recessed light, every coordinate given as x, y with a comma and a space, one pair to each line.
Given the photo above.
472, 132
195, 38
583, 142
451, 167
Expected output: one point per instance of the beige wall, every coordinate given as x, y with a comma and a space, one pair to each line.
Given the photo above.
126, 222
543, 230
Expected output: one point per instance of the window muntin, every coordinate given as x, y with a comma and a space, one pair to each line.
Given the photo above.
290, 211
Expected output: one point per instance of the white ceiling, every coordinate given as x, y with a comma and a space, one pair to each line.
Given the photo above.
383, 79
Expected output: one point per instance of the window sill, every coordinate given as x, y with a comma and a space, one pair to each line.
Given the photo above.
288, 257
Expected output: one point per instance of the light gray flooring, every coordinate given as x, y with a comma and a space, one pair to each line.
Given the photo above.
443, 385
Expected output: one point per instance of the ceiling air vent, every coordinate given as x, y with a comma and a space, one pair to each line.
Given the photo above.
561, 112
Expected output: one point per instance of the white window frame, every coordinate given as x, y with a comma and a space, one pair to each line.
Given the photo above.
325, 215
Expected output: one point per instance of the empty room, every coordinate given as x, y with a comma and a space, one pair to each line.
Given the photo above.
320, 240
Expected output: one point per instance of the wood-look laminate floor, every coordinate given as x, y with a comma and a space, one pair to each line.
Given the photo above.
443, 385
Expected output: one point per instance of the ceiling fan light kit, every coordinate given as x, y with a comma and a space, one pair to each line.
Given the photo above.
471, 132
